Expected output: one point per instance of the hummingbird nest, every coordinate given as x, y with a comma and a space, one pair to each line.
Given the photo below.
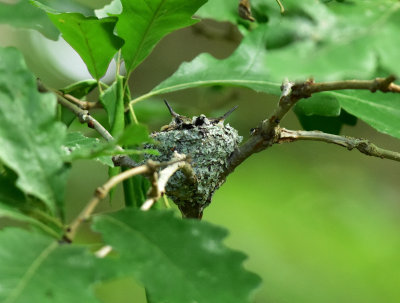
209, 143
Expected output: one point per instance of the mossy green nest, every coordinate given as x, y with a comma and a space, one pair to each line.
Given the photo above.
209, 143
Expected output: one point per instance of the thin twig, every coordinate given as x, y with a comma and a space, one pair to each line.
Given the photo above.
379, 84
244, 10
160, 179
82, 104
82, 114
363, 145
102, 191
85, 118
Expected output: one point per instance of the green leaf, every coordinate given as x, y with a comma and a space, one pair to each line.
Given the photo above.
77, 146
65, 116
144, 23
330, 41
17, 215
30, 137
92, 38
321, 104
9, 193
113, 102
337, 40
12, 199
378, 23
177, 260
220, 10
134, 134
327, 124
325, 41
135, 190
14, 213
35, 268
64, 6
245, 67
80, 89
24, 15
14, 205
380, 110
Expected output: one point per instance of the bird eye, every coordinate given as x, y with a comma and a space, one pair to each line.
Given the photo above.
178, 120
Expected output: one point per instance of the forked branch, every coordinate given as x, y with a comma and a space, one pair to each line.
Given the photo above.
149, 168
268, 131
84, 117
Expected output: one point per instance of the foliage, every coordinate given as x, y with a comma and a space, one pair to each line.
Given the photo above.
174, 260
209, 266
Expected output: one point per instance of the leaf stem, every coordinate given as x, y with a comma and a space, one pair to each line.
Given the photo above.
42, 215
232, 82
166, 203
100, 88
280, 6
132, 112
118, 63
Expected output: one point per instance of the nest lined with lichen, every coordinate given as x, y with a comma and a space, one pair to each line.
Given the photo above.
209, 143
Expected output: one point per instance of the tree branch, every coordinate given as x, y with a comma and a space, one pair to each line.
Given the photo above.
379, 84
101, 192
266, 134
363, 145
82, 114
160, 179
82, 104
85, 118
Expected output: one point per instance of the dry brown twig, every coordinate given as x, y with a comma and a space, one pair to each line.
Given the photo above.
84, 117
363, 145
82, 104
150, 168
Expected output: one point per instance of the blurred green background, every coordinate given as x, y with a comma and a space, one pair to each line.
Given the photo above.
319, 223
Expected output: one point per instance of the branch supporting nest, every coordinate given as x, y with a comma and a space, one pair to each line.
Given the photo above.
160, 179
268, 132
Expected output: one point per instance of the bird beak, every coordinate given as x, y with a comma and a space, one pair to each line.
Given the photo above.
224, 116
171, 111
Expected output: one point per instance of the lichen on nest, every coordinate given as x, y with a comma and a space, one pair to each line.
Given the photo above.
209, 143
